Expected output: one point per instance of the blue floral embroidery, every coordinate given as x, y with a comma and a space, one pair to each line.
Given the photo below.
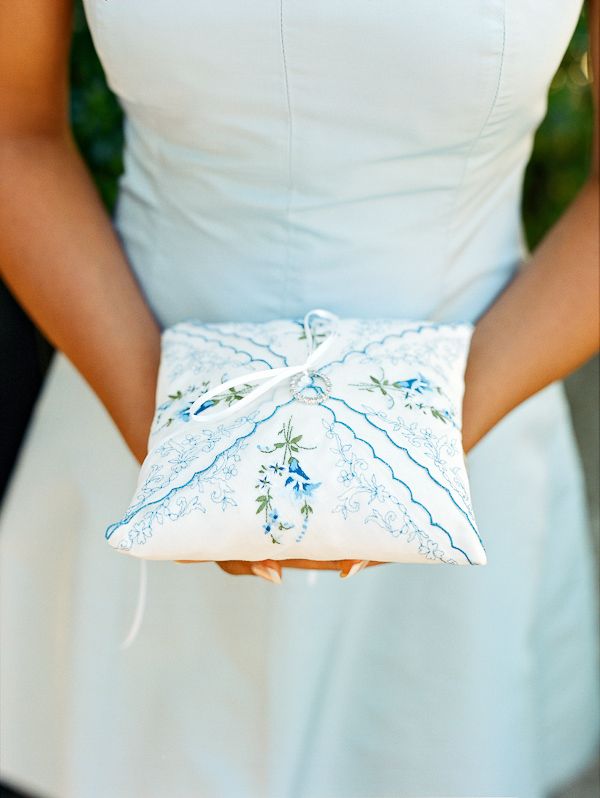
359, 482
411, 389
436, 447
214, 482
184, 356
250, 333
399, 523
289, 472
178, 453
445, 484
182, 413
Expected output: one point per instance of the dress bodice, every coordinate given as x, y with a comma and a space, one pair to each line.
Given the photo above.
361, 155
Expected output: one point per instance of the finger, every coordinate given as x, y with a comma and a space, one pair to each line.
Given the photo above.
325, 565
265, 569
356, 566
268, 569
350, 570
318, 565
235, 567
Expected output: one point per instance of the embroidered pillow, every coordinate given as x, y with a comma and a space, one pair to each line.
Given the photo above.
318, 438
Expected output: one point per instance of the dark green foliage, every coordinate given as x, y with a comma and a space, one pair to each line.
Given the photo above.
562, 154
558, 167
95, 113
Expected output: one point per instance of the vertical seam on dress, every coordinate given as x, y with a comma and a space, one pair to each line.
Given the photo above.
492, 104
469, 153
289, 164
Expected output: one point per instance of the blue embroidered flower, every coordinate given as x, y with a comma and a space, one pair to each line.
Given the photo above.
230, 471
204, 406
418, 384
430, 549
183, 414
294, 467
227, 501
298, 480
274, 524
346, 477
375, 490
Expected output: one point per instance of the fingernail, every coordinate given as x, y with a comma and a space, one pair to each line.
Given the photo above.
267, 573
358, 566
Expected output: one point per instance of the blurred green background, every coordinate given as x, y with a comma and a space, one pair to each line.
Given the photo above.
558, 167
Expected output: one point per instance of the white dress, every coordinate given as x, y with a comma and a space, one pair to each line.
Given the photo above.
367, 157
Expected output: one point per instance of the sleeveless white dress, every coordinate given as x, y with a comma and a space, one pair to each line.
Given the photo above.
365, 156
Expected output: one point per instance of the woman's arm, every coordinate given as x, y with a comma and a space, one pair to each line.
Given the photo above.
59, 254
545, 324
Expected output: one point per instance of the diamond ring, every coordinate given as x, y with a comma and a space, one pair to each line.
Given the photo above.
315, 391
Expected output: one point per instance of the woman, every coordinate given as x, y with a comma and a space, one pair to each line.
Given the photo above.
367, 158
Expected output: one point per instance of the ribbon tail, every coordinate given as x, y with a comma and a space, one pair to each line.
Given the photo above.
140, 607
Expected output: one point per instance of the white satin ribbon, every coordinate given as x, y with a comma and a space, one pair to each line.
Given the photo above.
272, 377
139, 609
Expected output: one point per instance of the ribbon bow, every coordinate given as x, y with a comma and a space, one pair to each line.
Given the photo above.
270, 377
